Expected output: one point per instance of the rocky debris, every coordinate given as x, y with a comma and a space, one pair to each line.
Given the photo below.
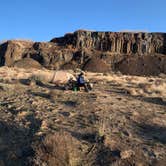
119, 50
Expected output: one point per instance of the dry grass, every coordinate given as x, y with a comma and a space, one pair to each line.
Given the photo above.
133, 85
154, 88
42, 75
44, 125
132, 91
57, 149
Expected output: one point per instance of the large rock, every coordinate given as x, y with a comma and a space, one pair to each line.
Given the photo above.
27, 63
12, 51
96, 65
47, 54
131, 53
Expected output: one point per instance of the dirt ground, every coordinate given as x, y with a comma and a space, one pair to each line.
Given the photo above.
121, 122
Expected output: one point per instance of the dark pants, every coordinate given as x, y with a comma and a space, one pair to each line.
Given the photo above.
83, 85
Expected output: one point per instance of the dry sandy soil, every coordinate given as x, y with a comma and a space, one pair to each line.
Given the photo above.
121, 122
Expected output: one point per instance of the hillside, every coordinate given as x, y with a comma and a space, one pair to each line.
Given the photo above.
121, 122
130, 53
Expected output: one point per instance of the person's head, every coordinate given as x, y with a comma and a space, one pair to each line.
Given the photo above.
82, 73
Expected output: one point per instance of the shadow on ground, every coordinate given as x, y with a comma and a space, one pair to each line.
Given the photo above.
16, 142
153, 100
41, 84
41, 94
97, 153
154, 133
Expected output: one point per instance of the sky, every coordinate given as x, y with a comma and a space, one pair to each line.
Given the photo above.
42, 20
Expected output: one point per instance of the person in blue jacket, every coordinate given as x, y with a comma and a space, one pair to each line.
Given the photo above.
81, 81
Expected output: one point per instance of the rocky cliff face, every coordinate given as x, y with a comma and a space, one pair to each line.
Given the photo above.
47, 54
121, 43
145, 52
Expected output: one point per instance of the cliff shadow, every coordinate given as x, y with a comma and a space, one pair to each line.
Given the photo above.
164, 51
3, 48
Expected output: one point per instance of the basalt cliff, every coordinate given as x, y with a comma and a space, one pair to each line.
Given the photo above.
130, 53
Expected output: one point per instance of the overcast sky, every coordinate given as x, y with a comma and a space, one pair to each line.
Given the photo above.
42, 20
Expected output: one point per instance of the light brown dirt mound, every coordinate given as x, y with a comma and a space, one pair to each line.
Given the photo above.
96, 65
27, 63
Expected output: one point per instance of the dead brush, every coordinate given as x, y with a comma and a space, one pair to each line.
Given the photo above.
129, 79
157, 87
132, 91
34, 80
57, 149
102, 126
147, 88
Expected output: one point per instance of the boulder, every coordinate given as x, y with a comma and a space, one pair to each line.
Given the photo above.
96, 65
27, 63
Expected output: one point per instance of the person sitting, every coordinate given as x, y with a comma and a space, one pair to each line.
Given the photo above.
81, 81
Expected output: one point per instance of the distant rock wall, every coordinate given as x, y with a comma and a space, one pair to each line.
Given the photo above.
130, 53
116, 42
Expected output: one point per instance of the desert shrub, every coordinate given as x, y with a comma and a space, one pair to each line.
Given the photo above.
35, 80
131, 91
147, 88
57, 149
35, 77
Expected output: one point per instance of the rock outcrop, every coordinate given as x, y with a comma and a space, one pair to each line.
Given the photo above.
131, 53
27, 63
116, 42
47, 54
